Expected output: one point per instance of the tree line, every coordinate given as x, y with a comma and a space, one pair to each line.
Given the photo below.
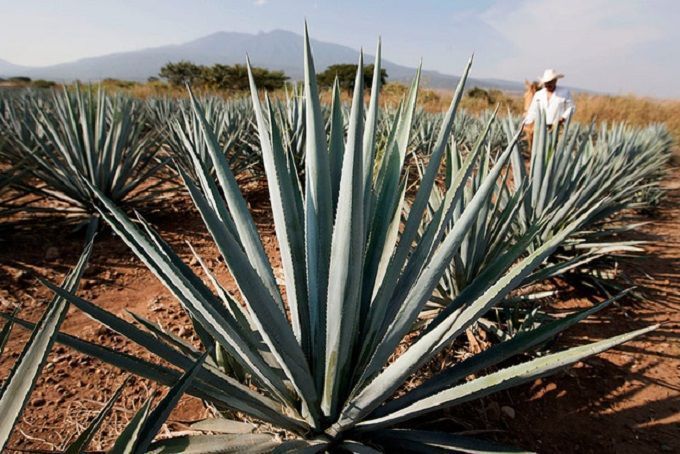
235, 77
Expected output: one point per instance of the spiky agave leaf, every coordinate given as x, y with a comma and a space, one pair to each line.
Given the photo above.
80, 443
142, 428
17, 388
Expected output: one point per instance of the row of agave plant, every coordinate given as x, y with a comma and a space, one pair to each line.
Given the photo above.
119, 143
377, 259
571, 175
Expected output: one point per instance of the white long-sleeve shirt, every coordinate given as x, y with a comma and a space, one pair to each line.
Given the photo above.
560, 105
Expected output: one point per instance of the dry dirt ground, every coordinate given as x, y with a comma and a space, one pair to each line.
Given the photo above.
626, 400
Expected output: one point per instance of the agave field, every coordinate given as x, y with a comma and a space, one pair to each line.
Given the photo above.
404, 269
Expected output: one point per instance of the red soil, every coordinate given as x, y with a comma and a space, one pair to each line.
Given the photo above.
626, 400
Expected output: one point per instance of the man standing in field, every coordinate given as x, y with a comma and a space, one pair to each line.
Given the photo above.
555, 101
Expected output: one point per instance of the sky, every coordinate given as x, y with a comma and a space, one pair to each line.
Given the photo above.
613, 46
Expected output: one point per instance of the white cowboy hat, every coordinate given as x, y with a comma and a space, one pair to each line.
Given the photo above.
550, 74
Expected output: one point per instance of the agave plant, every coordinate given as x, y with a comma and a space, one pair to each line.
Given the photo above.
82, 136
571, 173
491, 235
15, 121
324, 361
497, 229
232, 123
645, 153
18, 125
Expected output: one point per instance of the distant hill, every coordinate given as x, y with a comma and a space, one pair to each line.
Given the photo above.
278, 50
8, 69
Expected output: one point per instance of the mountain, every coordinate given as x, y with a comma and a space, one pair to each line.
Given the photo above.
278, 50
10, 69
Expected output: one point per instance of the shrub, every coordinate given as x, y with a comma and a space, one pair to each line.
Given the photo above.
345, 73
182, 73
41, 83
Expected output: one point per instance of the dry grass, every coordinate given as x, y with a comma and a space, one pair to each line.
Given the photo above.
630, 109
634, 110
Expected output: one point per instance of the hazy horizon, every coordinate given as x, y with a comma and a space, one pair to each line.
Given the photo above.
613, 46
